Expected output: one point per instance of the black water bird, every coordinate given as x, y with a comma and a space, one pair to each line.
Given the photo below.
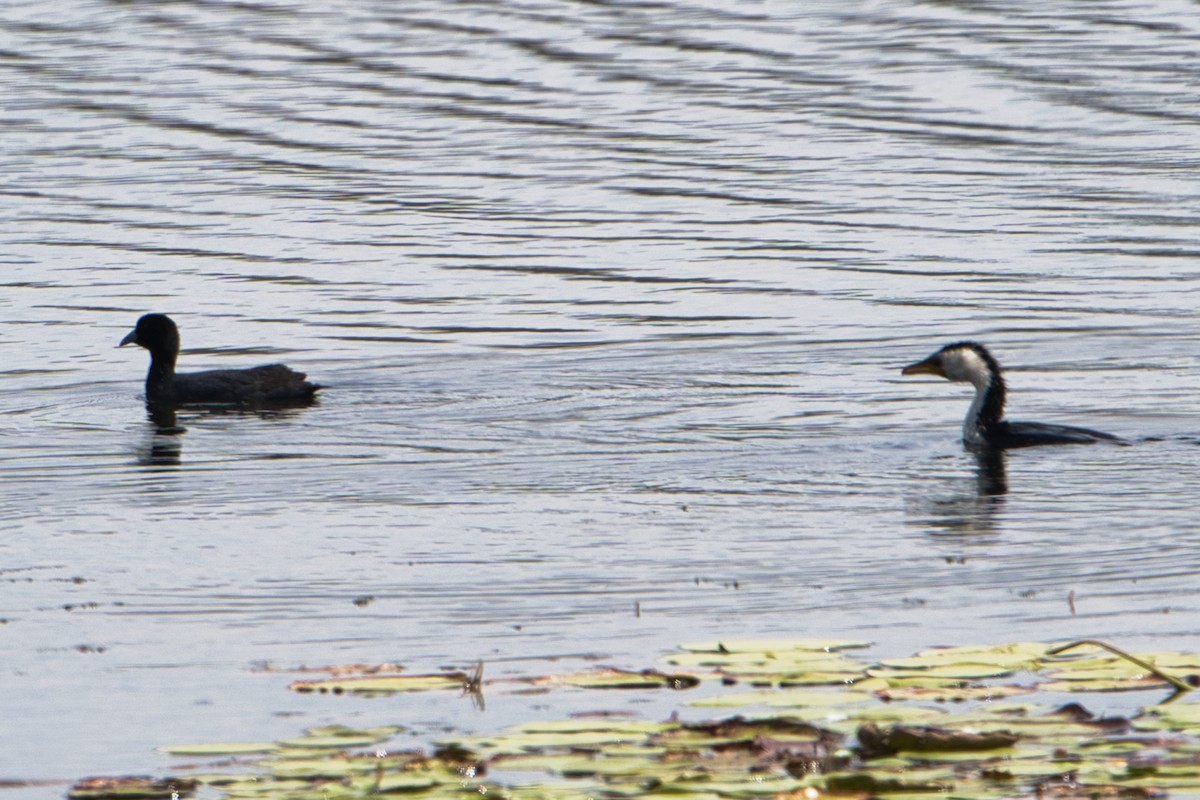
272, 383
985, 426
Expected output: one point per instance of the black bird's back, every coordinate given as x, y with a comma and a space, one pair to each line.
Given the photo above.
268, 383
1031, 434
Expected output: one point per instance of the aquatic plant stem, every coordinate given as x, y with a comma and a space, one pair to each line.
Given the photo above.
1180, 686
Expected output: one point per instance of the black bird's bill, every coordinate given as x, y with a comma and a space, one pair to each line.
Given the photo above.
130, 338
930, 366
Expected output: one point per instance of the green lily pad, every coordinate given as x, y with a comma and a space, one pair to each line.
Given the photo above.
311, 768
623, 679
404, 782
1117, 671
955, 671
131, 788
953, 694
1185, 716
1175, 661
938, 732
338, 736
784, 697
383, 684
1006, 655
324, 742
579, 765
624, 726
894, 713
513, 743
773, 645
1140, 684
869, 783
767, 786
801, 660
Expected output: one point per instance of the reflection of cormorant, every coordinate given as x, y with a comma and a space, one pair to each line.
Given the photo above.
985, 426
273, 383
991, 476
975, 511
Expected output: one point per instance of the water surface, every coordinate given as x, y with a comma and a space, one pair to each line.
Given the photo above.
611, 299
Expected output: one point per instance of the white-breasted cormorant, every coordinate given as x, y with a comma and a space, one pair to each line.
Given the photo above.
985, 426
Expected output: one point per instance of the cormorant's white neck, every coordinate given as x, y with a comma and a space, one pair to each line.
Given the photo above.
967, 365
973, 425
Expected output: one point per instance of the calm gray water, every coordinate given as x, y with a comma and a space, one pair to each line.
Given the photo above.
611, 299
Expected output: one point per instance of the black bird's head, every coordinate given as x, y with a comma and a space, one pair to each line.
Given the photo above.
155, 332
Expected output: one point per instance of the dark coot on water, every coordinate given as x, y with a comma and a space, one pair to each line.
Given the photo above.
273, 383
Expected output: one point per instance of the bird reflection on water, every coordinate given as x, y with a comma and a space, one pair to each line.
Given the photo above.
991, 473
970, 512
163, 444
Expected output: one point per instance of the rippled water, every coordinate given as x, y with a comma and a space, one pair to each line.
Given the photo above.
611, 300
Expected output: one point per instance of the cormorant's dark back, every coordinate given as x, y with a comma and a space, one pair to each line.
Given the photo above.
273, 383
985, 426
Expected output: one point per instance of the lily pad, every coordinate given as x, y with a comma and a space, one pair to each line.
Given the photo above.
954, 671
627, 726
737, 658
514, 743
383, 684
1009, 655
584, 765
938, 733
874, 741
1175, 661
621, 679
1139, 683
953, 693
131, 788
773, 645
337, 736
784, 697
1181, 716
1115, 671
316, 767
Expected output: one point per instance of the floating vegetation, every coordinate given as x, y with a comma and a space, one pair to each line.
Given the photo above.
941, 722
383, 684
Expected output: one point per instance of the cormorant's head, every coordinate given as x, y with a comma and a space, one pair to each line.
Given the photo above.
968, 362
